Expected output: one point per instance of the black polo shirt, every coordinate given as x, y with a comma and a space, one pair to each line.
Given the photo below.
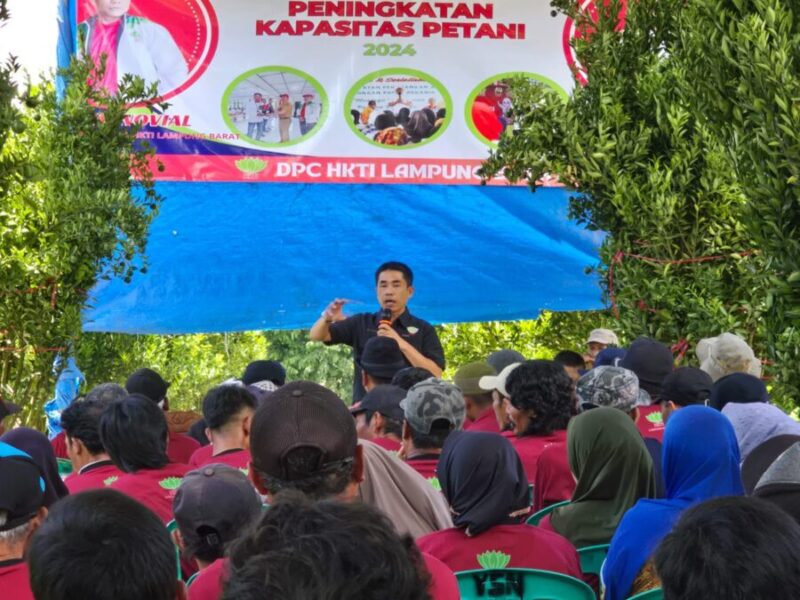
357, 329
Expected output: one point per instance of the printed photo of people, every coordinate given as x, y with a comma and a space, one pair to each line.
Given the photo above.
275, 107
125, 34
492, 110
398, 110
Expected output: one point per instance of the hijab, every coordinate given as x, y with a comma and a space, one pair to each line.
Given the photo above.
755, 423
402, 494
760, 459
780, 483
483, 480
700, 461
38, 447
613, 469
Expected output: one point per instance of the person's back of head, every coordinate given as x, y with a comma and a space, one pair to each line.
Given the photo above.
134, 434
380, 360
739, 388
106, 393
304, 438
612, 387
725, 354
500, 359
543, 391
432, 409
467, 378
212, 507
409, 376
737, 548
99, 545
81, 423
21, 504
326, 551
572, 362
227, 405
148, 383
652, 361
264, 370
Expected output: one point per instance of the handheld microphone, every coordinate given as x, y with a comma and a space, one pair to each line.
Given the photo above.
386, 317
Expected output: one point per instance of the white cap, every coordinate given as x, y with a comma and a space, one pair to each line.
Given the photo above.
603, 336
497, 382
726, 354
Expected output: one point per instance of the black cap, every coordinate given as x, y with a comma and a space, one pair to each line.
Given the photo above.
651, 360
384, 399
500, 359
381, 357
264, 370
21, 494
7, 408
148, 383
686, 386
739, 388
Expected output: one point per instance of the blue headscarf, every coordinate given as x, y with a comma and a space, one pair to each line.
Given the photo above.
483, 481
700, 461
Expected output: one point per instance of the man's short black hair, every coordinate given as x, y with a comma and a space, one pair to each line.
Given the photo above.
410, 376
81, 421
363, 558
393, 265
570, 358
224, 402
737, 548
134, 433
101, 544
543, 387
440, 430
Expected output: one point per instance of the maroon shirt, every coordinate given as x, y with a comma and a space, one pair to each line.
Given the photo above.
554, 481
181, 447
513, 546
96, 475
444, 585
208, 583
14, 580
424, 464
59, 444
487, 421
200, 456
236, 458
530, 447
155, 488
386, 443
650, 422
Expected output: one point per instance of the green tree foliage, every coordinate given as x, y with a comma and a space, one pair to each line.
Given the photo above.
742, 60
70, 213
645, 169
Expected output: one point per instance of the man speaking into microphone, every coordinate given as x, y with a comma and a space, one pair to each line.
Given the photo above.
417, 339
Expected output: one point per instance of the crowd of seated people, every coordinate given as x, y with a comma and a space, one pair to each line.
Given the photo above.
687, 480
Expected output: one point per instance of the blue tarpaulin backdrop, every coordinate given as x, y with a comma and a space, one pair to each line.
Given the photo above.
243, 256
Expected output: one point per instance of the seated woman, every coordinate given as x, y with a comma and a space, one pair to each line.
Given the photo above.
701, 461
484, 483
613, 470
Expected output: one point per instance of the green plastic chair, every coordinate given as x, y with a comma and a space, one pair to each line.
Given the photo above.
538, 516
656, 594
592, 558
521, 584
172, 526
64, 467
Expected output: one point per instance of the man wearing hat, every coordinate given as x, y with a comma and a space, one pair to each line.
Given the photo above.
148, 383
379, 417
432, 409
21, 512
6, 409
309, 113
212, 507
264, 370
652, 361
477, 401
684, 387
496, 385
598, 340
284, 117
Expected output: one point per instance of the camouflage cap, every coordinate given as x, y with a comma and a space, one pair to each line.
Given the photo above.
433, 399
612, 387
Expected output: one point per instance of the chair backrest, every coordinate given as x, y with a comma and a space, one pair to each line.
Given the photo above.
172, 526
592, 558
538, 516
656, 594
521, 584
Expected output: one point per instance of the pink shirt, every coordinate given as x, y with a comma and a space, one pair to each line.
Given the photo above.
155, 488
386, 443
208, 583
530, 447
512, 546
14, 580
236, 458
425, 465
487, 421
444, 585
93, 476
554, 481
105, 38
59, 444
181, 447
650, 422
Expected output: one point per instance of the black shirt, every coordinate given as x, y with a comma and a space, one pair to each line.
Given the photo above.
357, 329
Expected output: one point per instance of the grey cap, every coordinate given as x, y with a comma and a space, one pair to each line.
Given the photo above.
612, 387
431, 400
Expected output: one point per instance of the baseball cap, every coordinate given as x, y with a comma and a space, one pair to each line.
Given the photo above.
686, 386
301, 414
212, 505
612, 387
21, 494
609, 357
384, 399
381, 357
500, 359
497, 382
739, 388
7, 408
651, 360
264, 370
148, 383
469, 375
603, 336
431, 400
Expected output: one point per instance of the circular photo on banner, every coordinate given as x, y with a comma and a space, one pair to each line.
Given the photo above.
169, 43
489, 111
398, 108
275, 106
